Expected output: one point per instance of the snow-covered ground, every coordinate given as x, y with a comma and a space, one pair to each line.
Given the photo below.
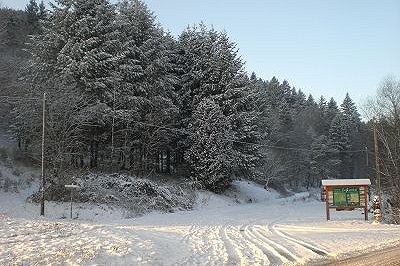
220, 231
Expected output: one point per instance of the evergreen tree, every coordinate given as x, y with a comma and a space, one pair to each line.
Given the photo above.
77, 52
310, 101
90, 51
350, 113
332, 111
34, 14
210, 155
253, 77
340, 143
32, 10
324, 160
42, 13
320, 124
353, 126
14, 33
212, 69
300, 99
117, 84
147, 80
322, 104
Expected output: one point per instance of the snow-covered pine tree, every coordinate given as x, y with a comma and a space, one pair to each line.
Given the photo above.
310, 101
148, 81
350, 114
322, 104
320, 126
238, 102
214, 70
77, 51
300, 100
211, 63
90, 48
331, 111
136, 26
32, 11
354, 128
148, 85
35, 13
42, 13
210, 155
284, 104
305, 116
244, 115
323, 165
340, 143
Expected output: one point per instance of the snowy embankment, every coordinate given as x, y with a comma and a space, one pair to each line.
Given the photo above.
221, 230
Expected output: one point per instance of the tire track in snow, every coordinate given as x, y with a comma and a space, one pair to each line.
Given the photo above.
248, 252
233, 251
258, 231
207, 246
302, 243
195, 239
296, 250
152, 242
187, 236
275, 257
220, 250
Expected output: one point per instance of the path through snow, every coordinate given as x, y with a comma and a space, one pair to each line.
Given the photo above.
276, 232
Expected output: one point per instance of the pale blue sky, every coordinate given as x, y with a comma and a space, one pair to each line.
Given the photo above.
323, 47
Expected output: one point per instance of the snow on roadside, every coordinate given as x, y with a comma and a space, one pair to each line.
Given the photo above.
242, 192
251, 192
223, 231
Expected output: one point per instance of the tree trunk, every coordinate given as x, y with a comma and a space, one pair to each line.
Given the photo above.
81, 160
96, 152
131, 158
168, 162
91, 164
161, 161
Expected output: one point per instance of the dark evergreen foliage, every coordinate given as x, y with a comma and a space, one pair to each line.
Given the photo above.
210, 155
123, 95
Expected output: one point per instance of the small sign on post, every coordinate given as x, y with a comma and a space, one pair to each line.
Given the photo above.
71, 188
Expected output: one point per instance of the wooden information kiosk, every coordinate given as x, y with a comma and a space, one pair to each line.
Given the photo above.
346, 194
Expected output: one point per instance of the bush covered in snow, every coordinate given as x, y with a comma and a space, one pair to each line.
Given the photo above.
12, 177
136, 195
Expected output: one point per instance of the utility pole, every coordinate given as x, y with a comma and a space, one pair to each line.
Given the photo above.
367, 167
112, 133
43, 135
377, 169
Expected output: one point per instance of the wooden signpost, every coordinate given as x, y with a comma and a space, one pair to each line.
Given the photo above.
71, 188
346, 194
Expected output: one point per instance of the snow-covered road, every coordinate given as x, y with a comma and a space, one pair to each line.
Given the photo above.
281, 232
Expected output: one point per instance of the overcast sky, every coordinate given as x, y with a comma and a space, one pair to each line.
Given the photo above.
323, 47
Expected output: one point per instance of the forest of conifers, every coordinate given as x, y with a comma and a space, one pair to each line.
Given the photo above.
122, 94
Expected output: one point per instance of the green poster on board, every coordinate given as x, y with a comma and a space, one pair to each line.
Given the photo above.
346, 197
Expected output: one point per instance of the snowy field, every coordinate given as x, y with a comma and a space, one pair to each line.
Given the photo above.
220, 231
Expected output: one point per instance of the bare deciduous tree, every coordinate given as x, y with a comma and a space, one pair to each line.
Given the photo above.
386, 110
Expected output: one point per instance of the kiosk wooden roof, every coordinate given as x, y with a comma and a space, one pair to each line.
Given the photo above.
346, 182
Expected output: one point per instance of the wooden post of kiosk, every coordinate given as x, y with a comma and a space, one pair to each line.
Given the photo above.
346, 194
328, 217
366, 203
